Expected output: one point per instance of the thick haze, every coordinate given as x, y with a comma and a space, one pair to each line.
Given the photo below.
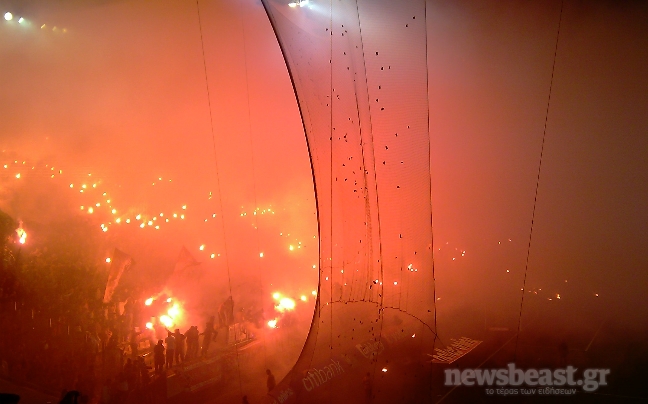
118, 91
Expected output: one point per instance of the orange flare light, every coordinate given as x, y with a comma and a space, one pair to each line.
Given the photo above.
285, 303
22, 234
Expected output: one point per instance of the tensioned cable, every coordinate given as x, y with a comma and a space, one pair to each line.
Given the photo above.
220, 196
427, 85
301, 107
254, 191
331, 191
371, 143
535, 199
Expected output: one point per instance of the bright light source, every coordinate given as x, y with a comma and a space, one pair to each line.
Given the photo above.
303, 298
285, 303
261, 255
384, 370
148, 301
169, 300
108, 260
166, 320
21, 20
292, 4
276, 295
8, 16
174, 311
272, 323
22, 234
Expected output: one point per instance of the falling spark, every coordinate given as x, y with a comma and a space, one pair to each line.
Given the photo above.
108, 259
148, 301
272, 323
202, 247
303, 298
260, 255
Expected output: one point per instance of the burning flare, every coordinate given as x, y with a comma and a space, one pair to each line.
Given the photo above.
22, 234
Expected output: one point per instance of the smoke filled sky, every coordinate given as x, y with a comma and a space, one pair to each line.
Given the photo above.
118, 91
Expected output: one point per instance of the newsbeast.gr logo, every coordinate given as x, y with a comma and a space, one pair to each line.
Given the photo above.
544, 379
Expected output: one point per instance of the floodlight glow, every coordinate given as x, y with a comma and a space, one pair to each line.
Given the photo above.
8, 16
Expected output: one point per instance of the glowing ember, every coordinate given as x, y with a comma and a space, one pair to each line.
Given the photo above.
276, 295
108, 259
148, 301
303, 298
272, 323
149, 325
384, 370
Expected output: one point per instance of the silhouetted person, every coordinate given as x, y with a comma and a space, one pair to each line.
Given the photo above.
192, 342
226, 312
171, 346
158, 356
179, 346
130, 373
143, 370
271, 381
132, 341
209, 333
